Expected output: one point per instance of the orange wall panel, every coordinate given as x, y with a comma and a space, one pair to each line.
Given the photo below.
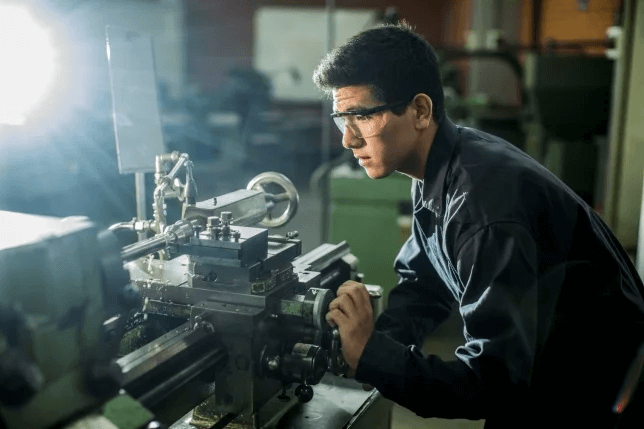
562, 19
457, 23
526, 22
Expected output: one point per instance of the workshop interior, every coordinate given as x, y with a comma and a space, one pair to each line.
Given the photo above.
177, 210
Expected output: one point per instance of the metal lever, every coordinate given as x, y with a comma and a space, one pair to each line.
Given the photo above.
337, 364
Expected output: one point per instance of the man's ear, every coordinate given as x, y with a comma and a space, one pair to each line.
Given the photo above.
424, 108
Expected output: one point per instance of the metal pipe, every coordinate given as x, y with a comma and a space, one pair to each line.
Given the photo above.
158, 204
143, 248
175, 170
213, 357
177, 233
619, 106
537, 8
163, 182
129, 226
159, 210
159, 160
141, 212
326, 125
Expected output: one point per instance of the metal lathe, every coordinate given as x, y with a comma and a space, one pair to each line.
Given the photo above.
211, 322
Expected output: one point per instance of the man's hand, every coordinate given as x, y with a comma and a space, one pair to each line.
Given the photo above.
352, 313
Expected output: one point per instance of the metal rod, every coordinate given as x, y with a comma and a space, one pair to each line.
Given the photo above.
224, 420
159, 368
141, 211
214, 357
536, 21
326, 125
143, 248
617, 121
175, 170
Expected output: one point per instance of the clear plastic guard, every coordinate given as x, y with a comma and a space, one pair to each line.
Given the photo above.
135, 103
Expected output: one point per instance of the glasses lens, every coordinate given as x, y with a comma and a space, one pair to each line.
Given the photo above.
348, 121
361, 126
339, 121
366, 127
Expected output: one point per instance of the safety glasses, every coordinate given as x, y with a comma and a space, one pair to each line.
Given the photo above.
364, 122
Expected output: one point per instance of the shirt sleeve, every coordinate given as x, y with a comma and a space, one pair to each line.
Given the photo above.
419, 303
498, 270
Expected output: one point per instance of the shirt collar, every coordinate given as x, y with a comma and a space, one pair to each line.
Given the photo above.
437, 165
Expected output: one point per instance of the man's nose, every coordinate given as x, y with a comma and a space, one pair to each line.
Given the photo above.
349, 140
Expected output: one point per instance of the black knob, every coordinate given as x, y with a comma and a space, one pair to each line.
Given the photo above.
304, 393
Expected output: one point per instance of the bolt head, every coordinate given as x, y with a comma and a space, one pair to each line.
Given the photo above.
213, 221
274, 363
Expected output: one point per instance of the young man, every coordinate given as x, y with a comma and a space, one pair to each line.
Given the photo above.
552, 305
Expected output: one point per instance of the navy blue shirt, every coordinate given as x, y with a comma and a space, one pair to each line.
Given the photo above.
551, 303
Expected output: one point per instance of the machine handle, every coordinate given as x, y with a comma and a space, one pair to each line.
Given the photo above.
337, 364
289, 194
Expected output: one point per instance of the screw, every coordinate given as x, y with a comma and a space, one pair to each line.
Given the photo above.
274, 363
213, 226
213, 222
226, 218
207, 327
198, 321
283, 397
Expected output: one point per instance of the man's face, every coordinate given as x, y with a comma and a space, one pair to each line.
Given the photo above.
391, 141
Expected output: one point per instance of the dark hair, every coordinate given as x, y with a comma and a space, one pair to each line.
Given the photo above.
393, 60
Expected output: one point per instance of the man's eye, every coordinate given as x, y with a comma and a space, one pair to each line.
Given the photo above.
363, 117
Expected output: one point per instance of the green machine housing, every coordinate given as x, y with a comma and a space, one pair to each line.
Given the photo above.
375, 216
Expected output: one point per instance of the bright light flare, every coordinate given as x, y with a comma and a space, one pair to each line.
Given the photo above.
28, 64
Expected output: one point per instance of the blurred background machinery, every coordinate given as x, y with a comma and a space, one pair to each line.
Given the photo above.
375, 217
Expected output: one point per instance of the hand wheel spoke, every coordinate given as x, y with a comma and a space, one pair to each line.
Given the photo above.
281, 197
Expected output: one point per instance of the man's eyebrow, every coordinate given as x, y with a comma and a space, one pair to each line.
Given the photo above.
352, 108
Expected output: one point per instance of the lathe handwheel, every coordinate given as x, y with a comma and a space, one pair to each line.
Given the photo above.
289, 194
